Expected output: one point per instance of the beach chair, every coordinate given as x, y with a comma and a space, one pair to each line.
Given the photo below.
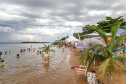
81, 70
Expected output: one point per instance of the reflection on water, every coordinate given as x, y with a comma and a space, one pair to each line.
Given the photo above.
29, 65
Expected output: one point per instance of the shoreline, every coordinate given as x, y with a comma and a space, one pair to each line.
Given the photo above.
75, 61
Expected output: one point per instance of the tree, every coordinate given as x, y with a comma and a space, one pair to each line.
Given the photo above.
109, 22
64, 38
87, 30
110, 65
47, 49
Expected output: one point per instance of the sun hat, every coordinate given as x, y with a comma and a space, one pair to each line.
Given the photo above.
46, 55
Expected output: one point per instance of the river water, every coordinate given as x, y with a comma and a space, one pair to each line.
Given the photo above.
28, 68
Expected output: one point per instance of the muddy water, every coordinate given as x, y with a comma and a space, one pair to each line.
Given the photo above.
28, 69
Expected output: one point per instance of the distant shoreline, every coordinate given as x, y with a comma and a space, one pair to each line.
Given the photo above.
35, 42
21, 42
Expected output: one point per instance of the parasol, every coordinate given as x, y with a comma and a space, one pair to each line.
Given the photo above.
83, 44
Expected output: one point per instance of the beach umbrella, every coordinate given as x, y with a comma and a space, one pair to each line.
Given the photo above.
83, 44
88, 42
102, 41
94, 41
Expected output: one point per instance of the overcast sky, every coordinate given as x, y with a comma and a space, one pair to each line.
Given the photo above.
46, 20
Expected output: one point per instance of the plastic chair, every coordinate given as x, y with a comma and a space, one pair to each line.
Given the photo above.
82, 70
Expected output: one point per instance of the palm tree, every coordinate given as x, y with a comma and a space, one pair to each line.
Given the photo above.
47, 49
110, 65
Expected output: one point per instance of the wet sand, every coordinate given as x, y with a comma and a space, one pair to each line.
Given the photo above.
74, 61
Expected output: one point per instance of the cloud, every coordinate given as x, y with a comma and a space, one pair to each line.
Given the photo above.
35, 20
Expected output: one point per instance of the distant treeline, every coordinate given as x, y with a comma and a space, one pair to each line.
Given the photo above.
34, 42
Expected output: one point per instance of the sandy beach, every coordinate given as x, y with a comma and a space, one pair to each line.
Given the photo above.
74, 61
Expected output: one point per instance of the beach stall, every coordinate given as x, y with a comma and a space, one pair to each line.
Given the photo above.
72, 40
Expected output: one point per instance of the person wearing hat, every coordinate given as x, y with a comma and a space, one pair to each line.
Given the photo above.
46, 59
2, 63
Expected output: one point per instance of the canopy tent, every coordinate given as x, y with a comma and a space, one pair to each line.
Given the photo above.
71, 38
97, 35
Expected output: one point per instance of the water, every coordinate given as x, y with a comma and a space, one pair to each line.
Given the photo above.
29, 66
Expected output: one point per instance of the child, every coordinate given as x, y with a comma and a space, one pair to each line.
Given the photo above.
2, 63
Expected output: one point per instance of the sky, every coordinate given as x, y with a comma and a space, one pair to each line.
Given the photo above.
50, 20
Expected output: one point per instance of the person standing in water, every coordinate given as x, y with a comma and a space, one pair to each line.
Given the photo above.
1, 56
46, 59
2, 63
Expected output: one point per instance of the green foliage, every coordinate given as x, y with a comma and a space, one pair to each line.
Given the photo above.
87, 30
109, 22
47, 49
64, 38
110, 65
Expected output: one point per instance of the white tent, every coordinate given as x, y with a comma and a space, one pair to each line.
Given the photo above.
71, 38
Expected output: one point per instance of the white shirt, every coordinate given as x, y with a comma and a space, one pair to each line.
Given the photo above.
1, 56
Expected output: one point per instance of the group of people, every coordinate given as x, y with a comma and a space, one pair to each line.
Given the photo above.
28, 49
1, 59
45, 60
6, 52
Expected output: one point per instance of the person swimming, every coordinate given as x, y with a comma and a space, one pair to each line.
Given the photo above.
21, 50
37, 51
17, 56
5, 52
33, 49
9, 52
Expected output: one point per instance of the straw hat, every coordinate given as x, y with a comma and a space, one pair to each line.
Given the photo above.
46, 55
